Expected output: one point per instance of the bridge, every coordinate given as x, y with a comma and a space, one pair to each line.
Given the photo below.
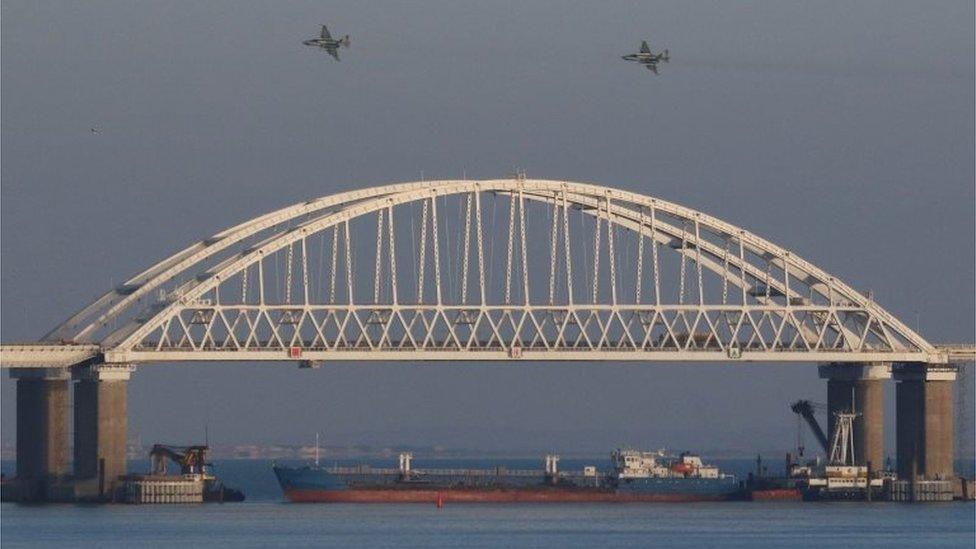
492, 270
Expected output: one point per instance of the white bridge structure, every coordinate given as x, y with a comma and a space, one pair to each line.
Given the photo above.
493, 270
509, 269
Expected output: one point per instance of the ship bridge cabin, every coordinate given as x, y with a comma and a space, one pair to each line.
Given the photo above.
637, 464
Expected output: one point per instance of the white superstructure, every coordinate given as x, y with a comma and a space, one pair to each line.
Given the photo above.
639, 464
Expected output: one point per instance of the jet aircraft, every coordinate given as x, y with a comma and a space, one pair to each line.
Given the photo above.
647, 58
327, 43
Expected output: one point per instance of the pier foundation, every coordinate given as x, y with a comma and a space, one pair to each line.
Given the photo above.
925, 442
859, 387
42, 430
100, 429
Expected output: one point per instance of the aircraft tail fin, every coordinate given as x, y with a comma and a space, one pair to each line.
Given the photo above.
345, 41
667, 56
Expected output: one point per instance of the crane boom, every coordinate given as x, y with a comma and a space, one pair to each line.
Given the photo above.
191, 459
804, 408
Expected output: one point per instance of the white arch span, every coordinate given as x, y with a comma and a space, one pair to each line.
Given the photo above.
774, 305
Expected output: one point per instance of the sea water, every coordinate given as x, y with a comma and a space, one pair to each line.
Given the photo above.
266, 520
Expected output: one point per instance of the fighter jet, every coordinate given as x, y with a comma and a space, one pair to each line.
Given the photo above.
327, 43
647, 58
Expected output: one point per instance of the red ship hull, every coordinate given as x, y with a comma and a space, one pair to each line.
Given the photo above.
776, 494
501, 495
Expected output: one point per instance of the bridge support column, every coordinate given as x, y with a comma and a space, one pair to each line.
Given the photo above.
42, 430
100, 429
925, 436
859, 387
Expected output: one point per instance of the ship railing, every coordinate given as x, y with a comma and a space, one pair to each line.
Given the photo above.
419, 473
365, 470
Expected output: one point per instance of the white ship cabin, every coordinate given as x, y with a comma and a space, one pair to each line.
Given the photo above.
636, 464
692, 466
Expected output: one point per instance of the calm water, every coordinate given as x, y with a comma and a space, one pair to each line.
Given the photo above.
266, 521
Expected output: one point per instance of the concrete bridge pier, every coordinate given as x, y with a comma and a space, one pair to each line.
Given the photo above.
42, 430
859, 387
925, 442
100, 429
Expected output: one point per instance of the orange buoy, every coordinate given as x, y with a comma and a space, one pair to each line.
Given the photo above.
440, 500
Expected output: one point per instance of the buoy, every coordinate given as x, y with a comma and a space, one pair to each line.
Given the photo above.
440, 500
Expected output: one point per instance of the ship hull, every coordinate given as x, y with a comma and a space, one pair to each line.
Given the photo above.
520, 495
776, 494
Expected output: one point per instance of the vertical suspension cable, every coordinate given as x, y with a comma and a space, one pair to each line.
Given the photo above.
288, 281
725, 273
639, 281
335, 264
769, 274
244, 284
305, 270
261, 279
511, 244
320, 271
481, 247
553, 246
657, 272
525, 262
348, 260
566, 247
447, 246
413, 243
698, 264
491, 240
596, 254
786, 277
378, 267
613, 259
458, 247
423, 253
681, 285
466, 252
742, 268
437, 252
393, 269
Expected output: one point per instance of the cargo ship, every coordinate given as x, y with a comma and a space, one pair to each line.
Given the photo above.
633, 476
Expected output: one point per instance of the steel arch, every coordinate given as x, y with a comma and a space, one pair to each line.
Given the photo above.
800, 288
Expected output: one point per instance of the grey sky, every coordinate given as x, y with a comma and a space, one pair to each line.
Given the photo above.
841, 130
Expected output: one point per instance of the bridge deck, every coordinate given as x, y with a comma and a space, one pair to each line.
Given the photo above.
46, 355
41, 355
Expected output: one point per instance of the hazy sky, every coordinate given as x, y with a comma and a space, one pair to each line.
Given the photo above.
841, 130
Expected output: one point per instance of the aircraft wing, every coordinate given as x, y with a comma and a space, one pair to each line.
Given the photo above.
325, 33
334, 52
644, 47
652, 67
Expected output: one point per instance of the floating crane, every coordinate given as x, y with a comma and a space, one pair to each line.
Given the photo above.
191, 459
805, 409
